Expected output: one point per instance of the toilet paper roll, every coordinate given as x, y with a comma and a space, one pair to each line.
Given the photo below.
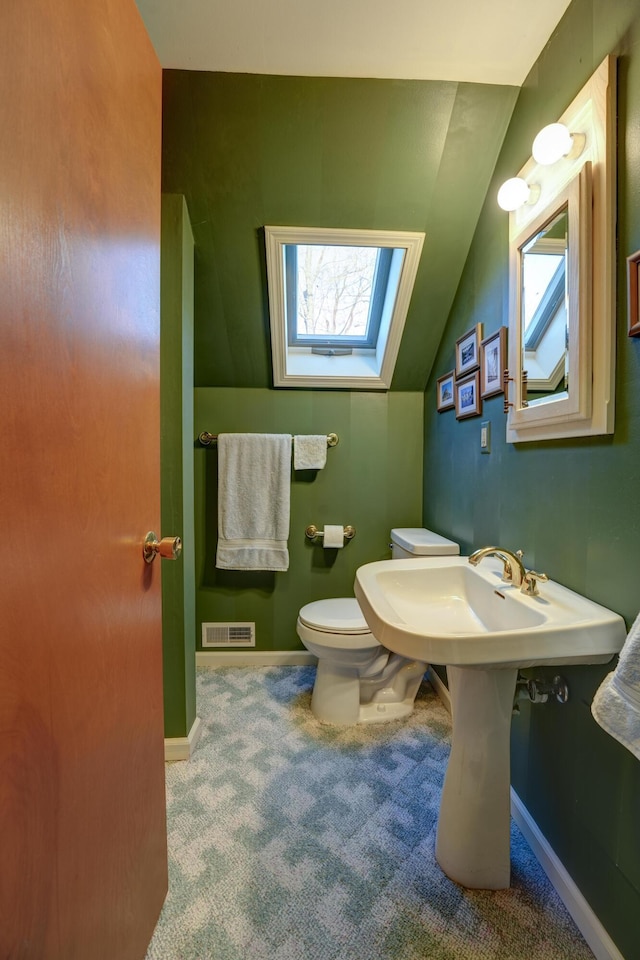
333, 536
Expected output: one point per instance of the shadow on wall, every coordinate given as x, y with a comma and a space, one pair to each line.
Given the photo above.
263, 581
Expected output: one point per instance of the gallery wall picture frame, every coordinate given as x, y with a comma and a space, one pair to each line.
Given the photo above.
633, 303
468, 351
445, 386
493, 362
468, 399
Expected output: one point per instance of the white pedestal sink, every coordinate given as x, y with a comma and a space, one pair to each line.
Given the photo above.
473, 841
443, 610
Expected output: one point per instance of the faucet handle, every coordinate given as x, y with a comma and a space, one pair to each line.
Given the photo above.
530, 583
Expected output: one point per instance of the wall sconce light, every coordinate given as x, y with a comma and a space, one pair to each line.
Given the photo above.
554, 142
515, 192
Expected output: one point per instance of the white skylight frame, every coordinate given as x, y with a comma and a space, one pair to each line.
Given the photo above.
363, 369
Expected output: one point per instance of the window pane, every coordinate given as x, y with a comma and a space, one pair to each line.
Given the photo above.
334, 290
337, 303
541, 269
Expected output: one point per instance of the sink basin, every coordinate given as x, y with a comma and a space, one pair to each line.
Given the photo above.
443, 610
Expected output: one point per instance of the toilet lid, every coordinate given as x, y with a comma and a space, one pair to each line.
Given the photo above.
342, 615
423, 543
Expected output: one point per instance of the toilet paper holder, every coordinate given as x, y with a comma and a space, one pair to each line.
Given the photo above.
312, 532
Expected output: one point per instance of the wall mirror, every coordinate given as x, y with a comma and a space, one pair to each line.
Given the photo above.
544, 310
562, 281
551, 273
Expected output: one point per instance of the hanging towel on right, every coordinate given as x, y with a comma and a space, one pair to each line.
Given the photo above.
309, 452
616, 705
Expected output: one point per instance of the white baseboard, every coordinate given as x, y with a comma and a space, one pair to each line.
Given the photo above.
584, 918
254, 658
181, 748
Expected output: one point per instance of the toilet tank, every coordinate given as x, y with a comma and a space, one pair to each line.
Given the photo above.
417, 542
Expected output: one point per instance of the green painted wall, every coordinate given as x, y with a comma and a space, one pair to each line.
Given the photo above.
176, 461
249, 151
372, 480
572, 506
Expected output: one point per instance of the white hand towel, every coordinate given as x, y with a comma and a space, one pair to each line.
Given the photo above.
616, 705
254, 479
309, 452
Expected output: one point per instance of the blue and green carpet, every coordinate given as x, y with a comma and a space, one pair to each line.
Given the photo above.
290, 840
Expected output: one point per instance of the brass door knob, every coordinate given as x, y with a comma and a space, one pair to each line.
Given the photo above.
169, 547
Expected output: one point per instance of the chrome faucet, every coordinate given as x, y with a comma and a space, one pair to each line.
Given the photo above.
514, 570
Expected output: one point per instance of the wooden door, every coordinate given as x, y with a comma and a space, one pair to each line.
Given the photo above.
82, 818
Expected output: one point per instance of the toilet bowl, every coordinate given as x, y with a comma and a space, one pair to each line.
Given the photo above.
357, 679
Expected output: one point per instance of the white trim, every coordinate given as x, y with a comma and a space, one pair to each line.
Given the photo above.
584, 918
319, 372
592, 113
254, 658
572, 407
181, 748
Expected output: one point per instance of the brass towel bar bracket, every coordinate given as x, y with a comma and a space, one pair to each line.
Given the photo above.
312, 532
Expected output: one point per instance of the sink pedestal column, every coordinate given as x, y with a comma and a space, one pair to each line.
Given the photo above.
472, 845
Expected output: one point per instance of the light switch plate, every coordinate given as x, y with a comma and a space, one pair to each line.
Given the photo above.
485, 436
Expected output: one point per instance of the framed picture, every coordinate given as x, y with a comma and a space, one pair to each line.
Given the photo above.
633, 265
493, 360
468, 401
446, 399
468, 351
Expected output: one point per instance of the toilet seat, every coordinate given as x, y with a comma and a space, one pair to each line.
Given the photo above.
338, 615
338, 624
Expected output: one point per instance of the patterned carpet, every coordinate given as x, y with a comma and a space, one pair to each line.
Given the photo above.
290, 840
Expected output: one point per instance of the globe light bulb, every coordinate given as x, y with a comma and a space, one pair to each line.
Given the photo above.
552, 143
513, 193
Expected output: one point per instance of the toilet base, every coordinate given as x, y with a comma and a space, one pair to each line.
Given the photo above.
384, 712
339, 690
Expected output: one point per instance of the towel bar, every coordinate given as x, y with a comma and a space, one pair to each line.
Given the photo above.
312, 532
206, 439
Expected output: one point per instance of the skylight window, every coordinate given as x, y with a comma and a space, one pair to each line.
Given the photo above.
338, 300
335, 294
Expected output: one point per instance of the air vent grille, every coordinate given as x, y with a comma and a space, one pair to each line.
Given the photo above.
228, 634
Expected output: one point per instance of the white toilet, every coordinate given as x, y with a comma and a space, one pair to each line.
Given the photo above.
357, 679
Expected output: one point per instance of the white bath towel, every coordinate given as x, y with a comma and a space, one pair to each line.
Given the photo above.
309, 452
254, 480
616, 705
